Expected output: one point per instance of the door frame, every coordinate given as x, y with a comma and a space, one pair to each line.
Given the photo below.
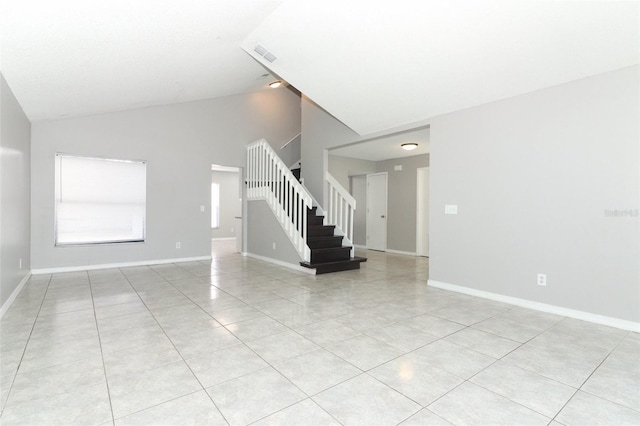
386, 207
420, 193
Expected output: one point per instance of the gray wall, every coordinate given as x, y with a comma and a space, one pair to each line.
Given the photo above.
290, 154
179, 143
402, 195
321, 132
533, 177
341, 168
15, 187
230, 203
402, 187
263, 230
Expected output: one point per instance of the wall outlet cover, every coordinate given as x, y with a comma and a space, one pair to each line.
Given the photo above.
451, 209
542, 279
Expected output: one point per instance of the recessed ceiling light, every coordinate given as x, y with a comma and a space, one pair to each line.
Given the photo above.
275, 84
409, 146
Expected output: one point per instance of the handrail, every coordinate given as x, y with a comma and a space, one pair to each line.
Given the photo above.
291, 140
269, 179
341, 208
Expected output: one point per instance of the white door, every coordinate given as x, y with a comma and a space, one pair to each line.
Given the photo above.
377, 211
422, 225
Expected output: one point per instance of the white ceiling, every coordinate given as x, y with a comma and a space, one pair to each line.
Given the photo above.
387, 147
67, 58
375, 65
378, 65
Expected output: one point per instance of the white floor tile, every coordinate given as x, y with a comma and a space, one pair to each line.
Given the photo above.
254, 396
365, 401
585, 409
470, 404
274, 346
316, 371
536, 392
194, 409
413, 377
151, 387
305, 413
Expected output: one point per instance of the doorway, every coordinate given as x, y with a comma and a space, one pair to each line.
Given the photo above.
422, 222
377, 211
226, 204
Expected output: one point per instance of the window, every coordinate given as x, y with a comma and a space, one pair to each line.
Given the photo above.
215, 205
99, 200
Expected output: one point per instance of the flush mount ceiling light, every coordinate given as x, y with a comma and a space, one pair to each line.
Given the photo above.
275, 84
409, 146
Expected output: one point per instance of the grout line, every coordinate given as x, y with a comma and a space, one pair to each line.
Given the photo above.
104, 367
24, 351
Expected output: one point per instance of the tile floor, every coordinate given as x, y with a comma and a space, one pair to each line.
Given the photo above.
238, 341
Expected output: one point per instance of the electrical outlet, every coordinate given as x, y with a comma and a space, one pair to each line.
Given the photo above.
542, 279
202, 209
20, 264
274, 245
178, 245
232, 230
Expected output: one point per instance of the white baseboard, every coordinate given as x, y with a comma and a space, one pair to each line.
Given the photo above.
14, 294
223, 239
281, 263
543, 307
116, 265
358, 246
406, 253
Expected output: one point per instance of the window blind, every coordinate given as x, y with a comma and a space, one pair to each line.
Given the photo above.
99, 200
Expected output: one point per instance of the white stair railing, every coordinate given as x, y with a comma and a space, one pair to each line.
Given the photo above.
341, 208
269, 179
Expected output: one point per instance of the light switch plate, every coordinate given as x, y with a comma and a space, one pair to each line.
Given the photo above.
451, 209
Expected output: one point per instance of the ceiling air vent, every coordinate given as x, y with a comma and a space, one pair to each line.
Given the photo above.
265, 53
260, 50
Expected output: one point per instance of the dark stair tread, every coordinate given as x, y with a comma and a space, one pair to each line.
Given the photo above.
325, 237
315, 220
330, 254
296, 173
340, 265
320, 230
324, 241
357, 259
321, 226
326, 249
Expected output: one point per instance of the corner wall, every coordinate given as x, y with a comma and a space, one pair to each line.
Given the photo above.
536, 179
264, 232
15, 187
179, 143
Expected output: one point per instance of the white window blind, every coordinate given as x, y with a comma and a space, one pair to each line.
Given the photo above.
99, 200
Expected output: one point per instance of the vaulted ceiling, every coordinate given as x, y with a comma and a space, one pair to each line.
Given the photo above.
375, 65
67, 58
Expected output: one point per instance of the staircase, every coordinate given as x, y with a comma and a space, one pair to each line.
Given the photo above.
327, 252
269, 179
